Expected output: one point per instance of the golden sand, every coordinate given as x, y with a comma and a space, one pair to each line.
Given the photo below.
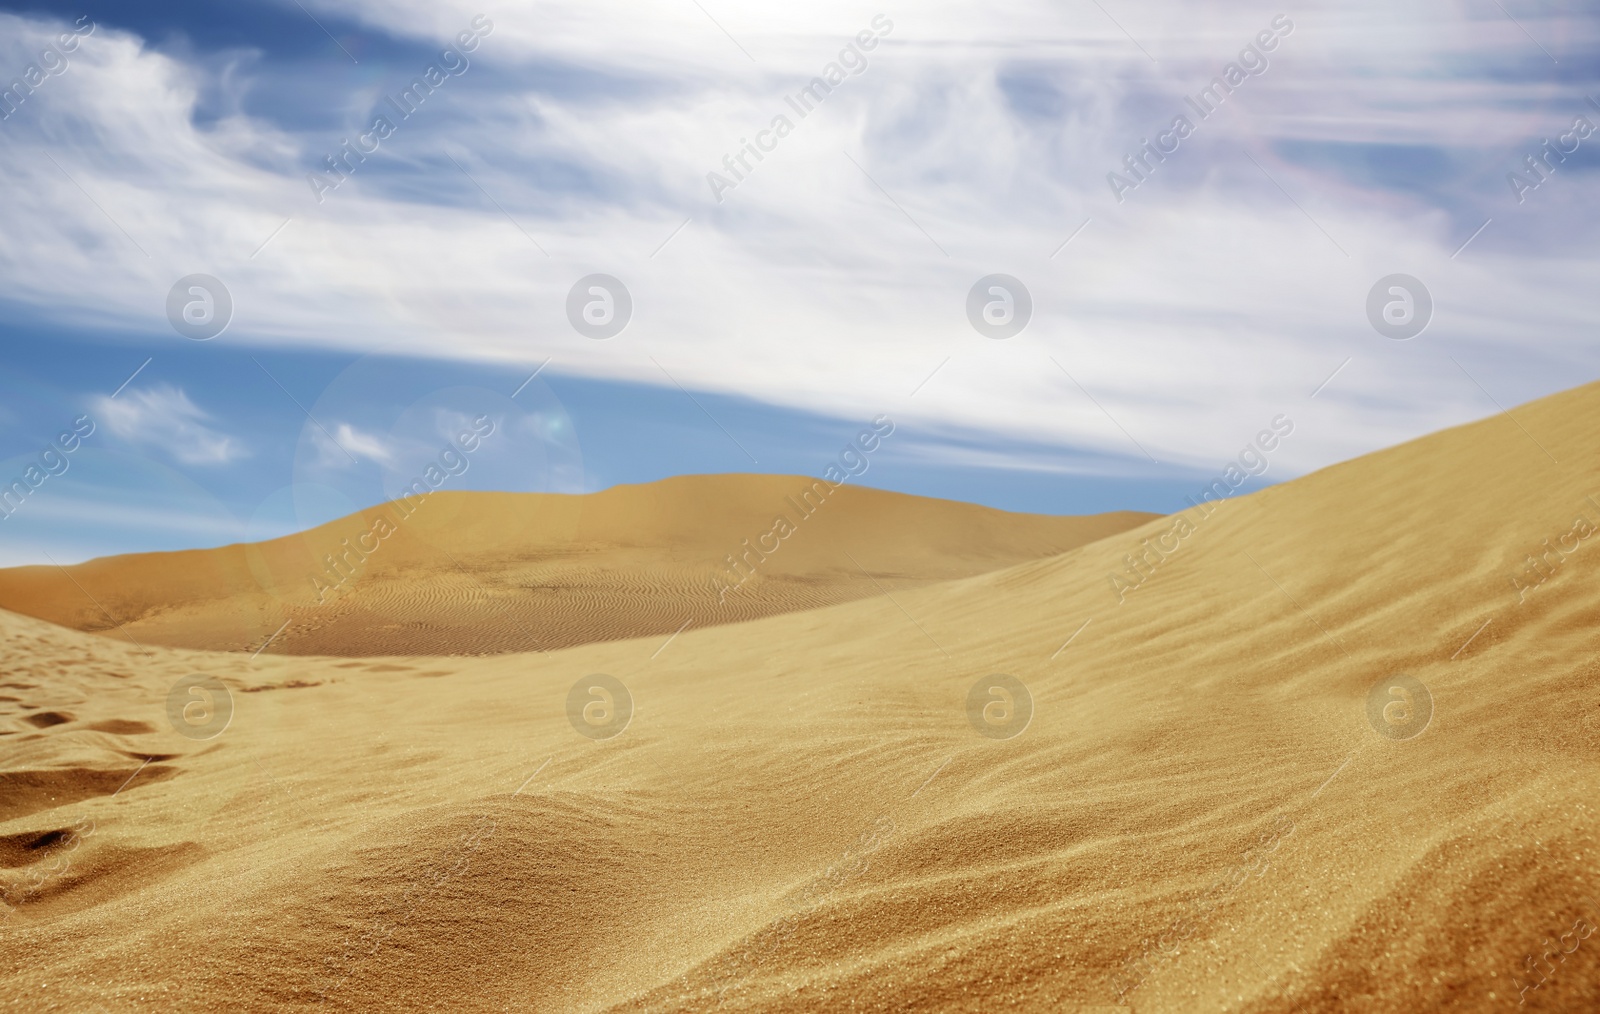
482, 573
1202, 812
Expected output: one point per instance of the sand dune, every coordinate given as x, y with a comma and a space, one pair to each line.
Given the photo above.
481, 573
1203, 812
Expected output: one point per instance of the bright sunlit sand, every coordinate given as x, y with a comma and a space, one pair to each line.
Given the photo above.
1210, 793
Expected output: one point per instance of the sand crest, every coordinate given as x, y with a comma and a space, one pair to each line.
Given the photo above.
1216, 801
485, 573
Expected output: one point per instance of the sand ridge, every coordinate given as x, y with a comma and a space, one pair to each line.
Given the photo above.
801, 814
483, 573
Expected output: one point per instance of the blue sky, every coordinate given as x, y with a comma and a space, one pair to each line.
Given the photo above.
824, 289
203, 447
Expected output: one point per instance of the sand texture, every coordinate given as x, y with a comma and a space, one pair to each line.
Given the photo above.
1201, 813
485, 573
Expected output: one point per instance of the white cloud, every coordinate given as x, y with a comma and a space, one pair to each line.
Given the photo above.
348, 445
1205, 304
163, 417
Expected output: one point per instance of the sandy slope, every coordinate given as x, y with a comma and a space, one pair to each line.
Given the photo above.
480, 573
800, 816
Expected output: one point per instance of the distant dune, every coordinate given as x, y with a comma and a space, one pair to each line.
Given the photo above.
1219, 802
480, 573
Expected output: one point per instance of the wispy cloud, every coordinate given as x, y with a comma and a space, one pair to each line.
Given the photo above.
349, 442
1191, 311
163, 418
